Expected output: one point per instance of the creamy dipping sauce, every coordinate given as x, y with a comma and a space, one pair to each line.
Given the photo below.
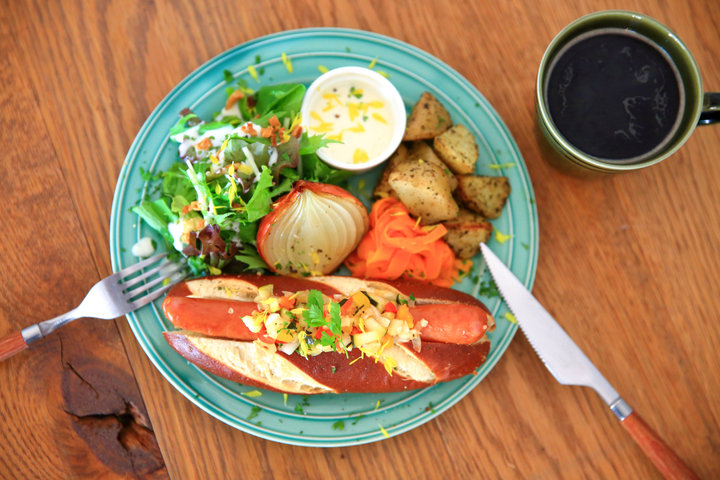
355, 113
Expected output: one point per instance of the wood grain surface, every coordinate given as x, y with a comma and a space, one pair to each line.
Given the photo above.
628, 264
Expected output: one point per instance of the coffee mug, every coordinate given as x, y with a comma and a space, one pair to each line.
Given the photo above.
618, 91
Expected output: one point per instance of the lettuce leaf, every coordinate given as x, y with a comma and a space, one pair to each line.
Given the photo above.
250, 257
286, 97
259, 204
185, 123
157, 214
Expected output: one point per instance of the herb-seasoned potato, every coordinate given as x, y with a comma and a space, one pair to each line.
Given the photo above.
465, 232
382, 188
424, 189
458, 149
422, 151
482, 194
428, 119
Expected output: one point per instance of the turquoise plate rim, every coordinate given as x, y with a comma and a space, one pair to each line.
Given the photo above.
375, 417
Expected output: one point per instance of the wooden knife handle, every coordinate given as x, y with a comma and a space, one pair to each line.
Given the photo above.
12, 344
664, 458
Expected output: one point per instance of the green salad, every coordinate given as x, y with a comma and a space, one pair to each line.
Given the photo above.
229, 170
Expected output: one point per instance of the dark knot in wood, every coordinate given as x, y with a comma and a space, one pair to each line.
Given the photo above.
108, 414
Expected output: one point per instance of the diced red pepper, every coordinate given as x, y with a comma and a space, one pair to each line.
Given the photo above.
286, 302
318, 333
264, 337
390, 308
348, 308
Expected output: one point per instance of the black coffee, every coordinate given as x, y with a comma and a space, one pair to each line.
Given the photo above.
614, 95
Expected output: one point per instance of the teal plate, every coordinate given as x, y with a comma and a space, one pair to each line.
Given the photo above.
326, 420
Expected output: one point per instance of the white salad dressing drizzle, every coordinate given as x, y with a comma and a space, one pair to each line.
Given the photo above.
143, 248
217, 136
233, 111
176, 230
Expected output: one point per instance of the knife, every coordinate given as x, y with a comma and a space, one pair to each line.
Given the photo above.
569, 365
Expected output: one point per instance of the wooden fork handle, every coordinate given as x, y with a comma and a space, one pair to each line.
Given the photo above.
664, 458
12, 344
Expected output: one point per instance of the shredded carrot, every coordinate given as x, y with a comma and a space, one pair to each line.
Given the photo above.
234, 97
204, 144
397, 246
249, 129
194, 205
274, 121
273, 130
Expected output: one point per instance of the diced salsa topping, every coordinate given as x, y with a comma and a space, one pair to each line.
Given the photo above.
309, 323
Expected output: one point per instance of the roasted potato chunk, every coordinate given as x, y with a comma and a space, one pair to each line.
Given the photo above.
458, 149
428, 119
382, 187
465, 232
482, 194
424, 189
422, 151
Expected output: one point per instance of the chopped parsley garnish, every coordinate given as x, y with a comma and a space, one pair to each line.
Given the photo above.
254, 412
335, 318
148, 176
339, 425
489, 289
357, 419
313, 314
327, 340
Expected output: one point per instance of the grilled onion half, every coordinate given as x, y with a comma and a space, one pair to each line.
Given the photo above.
311, 230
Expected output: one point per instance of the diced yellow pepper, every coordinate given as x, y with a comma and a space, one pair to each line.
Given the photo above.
361, 300
272, 303
265, 291
403, 313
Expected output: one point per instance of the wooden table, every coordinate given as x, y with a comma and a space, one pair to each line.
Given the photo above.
628, 264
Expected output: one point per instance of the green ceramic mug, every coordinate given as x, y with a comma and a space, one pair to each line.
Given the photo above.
618, 91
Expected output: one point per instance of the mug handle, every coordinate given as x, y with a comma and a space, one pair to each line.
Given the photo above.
711, 109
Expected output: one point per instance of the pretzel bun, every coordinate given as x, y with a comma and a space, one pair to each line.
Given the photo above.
452, 327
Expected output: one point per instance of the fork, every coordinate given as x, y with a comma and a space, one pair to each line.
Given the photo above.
111, 297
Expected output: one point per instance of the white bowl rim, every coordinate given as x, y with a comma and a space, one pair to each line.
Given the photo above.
394, 99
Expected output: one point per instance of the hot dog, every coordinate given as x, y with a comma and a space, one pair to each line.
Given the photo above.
327, 334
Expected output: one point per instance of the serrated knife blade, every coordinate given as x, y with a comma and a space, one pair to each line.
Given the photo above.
570, 366
567, 363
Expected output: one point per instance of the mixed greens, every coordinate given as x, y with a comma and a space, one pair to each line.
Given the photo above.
229, 171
